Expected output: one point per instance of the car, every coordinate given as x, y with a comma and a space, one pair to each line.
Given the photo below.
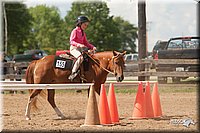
130, 64
131, 57
29, 55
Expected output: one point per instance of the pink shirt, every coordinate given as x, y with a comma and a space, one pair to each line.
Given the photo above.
76, 38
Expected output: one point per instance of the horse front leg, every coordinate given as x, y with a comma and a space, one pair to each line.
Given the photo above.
31, 99
97, 87
51, 95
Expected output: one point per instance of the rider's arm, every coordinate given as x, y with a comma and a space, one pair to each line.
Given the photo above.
73, 39
86, 43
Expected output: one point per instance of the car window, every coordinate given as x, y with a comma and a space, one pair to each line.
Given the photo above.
135, 57
191, 44
128, 58
175, 44
184, 44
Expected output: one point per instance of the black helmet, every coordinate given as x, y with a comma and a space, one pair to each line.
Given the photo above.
81, 19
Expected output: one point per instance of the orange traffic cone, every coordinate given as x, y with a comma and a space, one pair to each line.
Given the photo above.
139, 110
113, 105
92, 114
156, 101
104, 113
149, 107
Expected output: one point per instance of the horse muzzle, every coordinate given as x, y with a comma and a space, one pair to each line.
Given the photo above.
120, 78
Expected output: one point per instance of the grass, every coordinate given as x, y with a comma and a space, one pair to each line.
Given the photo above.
133, 89
161, 89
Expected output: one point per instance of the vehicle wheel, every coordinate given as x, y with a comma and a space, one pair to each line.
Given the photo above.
19, 72
162, 80
176, 79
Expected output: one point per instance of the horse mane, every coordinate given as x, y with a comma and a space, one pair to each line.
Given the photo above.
105, 54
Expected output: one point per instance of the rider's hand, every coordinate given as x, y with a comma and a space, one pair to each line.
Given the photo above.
94, 49
81, 46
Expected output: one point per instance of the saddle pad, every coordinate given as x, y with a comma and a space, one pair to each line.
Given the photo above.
63, 63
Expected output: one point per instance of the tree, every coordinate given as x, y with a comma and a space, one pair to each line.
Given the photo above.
127, 35
102, 31
47, 29
18, 21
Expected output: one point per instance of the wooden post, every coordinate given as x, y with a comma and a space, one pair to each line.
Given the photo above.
142, 35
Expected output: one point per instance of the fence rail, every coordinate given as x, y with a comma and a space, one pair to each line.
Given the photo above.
22, 86
131, 68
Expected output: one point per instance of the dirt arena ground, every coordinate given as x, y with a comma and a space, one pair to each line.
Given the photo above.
176, 106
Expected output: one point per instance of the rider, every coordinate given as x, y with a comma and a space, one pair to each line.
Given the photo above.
78, 41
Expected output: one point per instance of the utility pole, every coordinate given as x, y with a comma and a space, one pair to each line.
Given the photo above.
142, 48
198, 10
5, 29
1, 27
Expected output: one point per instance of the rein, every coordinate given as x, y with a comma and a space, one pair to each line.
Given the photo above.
99, 64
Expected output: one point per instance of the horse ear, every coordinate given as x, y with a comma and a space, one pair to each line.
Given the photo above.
115, 53
124, 53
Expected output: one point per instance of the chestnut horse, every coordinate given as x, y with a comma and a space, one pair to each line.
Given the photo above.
43, 72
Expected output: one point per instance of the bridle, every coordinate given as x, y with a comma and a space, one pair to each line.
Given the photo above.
113, 73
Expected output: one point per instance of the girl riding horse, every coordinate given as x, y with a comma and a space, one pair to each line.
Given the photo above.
43, 72
78, 41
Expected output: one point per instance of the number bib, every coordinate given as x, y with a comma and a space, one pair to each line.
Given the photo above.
60, 63
63, 63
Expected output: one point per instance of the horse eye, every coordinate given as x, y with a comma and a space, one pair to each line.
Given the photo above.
116, 62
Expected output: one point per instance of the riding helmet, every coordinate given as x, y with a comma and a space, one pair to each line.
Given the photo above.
81, 19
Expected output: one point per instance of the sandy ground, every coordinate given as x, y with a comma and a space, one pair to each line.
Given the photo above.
175, 107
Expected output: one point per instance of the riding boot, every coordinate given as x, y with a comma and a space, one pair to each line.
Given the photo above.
75, 68
73, 75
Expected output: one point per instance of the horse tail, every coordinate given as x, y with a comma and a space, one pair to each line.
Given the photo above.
30, 80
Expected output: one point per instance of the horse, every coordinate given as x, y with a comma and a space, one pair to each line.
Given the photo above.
100, 65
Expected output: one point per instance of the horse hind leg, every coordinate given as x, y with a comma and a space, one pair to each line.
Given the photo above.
51, 95
32, 98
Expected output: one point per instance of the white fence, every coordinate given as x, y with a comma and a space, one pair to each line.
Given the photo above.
20, 85
17, 85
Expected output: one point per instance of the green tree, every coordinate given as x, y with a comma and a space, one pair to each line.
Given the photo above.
102, 31
18, 21
128, 35
47, 29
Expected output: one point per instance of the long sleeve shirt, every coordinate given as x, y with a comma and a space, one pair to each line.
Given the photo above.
78, 37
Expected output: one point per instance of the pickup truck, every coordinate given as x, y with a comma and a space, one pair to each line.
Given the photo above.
29, 55
179, 48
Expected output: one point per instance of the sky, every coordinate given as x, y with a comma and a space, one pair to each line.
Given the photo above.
166, 19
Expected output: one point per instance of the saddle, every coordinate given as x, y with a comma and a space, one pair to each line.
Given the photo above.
66, 61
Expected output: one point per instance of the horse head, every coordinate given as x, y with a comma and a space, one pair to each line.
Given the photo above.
117, 65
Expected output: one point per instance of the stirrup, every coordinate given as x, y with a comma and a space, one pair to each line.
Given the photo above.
73, 75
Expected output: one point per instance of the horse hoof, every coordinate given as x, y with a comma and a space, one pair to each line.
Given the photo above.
62, 117
28, 118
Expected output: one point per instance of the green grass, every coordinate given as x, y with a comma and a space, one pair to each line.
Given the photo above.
178, 89
160, 89
133, 89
